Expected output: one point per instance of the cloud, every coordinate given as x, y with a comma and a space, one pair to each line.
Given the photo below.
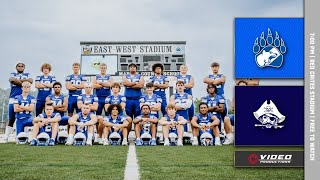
50, 31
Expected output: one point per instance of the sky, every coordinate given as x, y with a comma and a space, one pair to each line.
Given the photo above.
38, 32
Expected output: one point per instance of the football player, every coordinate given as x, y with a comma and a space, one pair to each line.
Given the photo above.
88, 98
59, 103
46, 122
172, 122
23, 107
160, 83
215, 102
152, 100
16, 79
133, 83
188, 85
218, 80
146, 118
75, 84
115, 123
44, 84
205, 121
102, 84
182, 101
82, 122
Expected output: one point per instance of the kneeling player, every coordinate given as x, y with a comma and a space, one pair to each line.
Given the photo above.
115, 123
46, 122
82, 122
172, 123
146, 122
207, 122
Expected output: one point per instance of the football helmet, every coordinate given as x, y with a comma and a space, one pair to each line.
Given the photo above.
115, 139
43, 139
206, 139
79, 139
22, 138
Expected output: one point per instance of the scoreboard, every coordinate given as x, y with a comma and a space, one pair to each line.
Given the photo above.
119, 54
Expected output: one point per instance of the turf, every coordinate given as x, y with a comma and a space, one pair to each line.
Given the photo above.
62, 162
205, 163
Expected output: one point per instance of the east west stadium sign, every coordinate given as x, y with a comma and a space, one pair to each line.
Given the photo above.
133, 49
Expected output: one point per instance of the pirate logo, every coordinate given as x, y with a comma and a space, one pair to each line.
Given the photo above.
269, 116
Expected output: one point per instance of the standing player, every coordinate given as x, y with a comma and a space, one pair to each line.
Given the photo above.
82, 121
46, 122
218, 80
152, 100
172, 122
182, 101
115, 123
145, 118
16, 79
102, 84
23, 107
188, 85
75, 84
133, 83
88, 98
161, 83
215, 102
59, 103
205, 121
44, 85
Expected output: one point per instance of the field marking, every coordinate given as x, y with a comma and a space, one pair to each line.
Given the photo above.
132, 168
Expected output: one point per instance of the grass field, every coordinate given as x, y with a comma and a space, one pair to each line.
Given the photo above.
62, 162
100, 162
205, 163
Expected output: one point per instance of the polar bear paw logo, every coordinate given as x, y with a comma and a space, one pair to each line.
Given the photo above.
269, 51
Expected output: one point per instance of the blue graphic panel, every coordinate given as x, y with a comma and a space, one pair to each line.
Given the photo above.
259, 108
269, 48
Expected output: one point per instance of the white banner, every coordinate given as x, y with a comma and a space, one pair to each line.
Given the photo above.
133, 49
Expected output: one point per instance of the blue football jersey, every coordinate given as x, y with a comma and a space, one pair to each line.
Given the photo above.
186, 79
119, 120
130, 92
115, 100
175, 119
20, 100
84, 119
159, 80
104, 91
56, 101
75, 80
151, 101
213, 101
220, 88
44, 92
16, 90
204, 119
88, 99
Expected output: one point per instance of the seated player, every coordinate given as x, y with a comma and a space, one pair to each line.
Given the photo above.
59, 103
143, 120
205, 122
88, 98
172, 122
228, 123
115, 123
46, 122
115, 98
182, 101
82, 122
152, 100
23, 107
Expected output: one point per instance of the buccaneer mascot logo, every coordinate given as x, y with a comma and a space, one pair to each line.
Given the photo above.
269, 116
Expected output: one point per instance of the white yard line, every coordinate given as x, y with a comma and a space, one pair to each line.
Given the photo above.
132, 168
